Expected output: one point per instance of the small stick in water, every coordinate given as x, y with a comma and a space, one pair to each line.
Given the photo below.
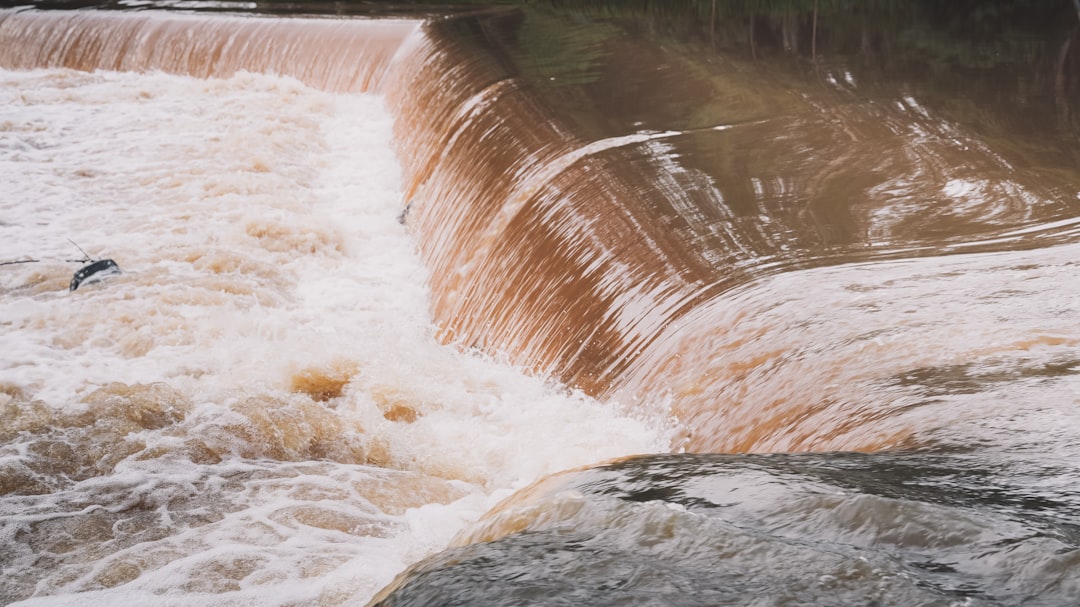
85, 258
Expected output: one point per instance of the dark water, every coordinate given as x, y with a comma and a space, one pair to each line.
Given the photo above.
812, 529
835, 242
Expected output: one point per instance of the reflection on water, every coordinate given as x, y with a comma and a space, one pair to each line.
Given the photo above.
830, 227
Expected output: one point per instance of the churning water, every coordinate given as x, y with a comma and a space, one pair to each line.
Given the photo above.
401, 320
257, 404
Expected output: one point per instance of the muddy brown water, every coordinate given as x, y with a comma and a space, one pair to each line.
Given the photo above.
837, 246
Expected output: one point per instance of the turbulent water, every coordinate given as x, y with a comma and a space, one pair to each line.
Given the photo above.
256, 406
524, 307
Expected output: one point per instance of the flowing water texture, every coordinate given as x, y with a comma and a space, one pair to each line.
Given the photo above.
604, 304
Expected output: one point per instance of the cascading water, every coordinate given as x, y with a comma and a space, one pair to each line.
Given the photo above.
326, 54
324, 363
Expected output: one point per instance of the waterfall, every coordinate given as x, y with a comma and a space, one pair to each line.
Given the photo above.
329, 54
533, 302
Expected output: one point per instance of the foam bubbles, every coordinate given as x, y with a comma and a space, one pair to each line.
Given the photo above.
255, 411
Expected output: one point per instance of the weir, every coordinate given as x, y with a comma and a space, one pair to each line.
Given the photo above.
333, 55
541, 250
595, 249
607, 251
744, 241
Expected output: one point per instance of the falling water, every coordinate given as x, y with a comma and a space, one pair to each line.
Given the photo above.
528, 307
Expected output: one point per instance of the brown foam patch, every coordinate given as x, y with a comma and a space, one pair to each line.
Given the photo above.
137, 407
11, 392
323, 385
228, 263
17, 479
71, 445
116, 574
398, 412
1045, 340
17, 417
333, 520
394, 408
295, 429
222, 574
281, 238
44, 277
394, 495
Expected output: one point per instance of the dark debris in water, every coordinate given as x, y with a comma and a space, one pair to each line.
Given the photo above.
94, 272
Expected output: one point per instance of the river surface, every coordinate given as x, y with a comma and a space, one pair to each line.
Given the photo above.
608, 303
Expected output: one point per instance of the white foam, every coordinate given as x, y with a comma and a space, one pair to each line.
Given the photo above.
255, 223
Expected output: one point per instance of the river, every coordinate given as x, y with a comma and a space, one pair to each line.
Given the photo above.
605, 303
